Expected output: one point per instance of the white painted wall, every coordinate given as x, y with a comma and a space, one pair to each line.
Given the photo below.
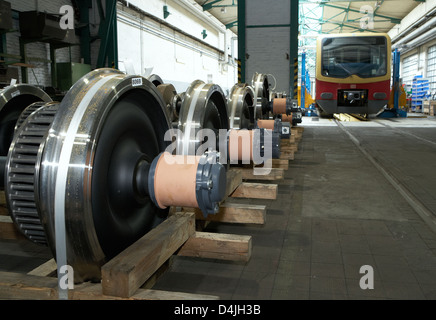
176, 58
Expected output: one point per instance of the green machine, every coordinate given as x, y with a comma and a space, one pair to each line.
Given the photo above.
69, 73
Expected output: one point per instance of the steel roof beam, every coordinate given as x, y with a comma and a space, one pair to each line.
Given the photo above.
392, 19
210, 5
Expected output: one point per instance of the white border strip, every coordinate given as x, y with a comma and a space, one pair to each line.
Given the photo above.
61, 180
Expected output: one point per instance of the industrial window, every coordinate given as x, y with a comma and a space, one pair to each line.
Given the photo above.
431, 68
410, 70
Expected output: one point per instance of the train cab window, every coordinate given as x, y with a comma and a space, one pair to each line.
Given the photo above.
363, 56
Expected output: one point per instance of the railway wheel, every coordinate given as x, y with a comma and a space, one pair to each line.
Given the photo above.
85, 168
14, 99
204, 106
262, 95
241, 106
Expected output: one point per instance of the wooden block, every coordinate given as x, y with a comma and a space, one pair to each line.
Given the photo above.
125, 273
93, 291
297, 132
8, 230
217, 246
234, 179
288, 141
170, 295
280, 163
47, 269
3, 208
289, 148
236, 213
256, 191
272, 174
30, 287
298, 129
287, 155
27, 287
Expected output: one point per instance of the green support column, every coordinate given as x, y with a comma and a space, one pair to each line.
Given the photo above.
3, 45
241, 37
23, 60
85, 33
108, 35
113, 55
54, 78
294, 49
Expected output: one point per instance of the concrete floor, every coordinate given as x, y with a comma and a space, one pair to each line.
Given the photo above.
335, 213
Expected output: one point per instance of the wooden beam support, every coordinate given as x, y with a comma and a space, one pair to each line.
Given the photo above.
280, 163
287, 155
2, 197
234, 179
274, 174
47, 269
30, 287
235, 213
3, 208
289, 148
297, 132
288, 141
91, 291
27, 287
8, 230
218, 246
125, 273
256, 191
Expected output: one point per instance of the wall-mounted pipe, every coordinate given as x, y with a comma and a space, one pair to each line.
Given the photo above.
426, 37
411, 27
411, 36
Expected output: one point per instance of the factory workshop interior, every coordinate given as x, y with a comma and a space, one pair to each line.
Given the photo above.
219, 153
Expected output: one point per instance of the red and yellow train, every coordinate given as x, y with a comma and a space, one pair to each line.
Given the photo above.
353, 73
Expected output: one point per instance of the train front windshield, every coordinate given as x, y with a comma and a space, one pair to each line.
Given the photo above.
365, 57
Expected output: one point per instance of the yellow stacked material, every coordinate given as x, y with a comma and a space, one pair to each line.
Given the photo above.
308, 100
402, 102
